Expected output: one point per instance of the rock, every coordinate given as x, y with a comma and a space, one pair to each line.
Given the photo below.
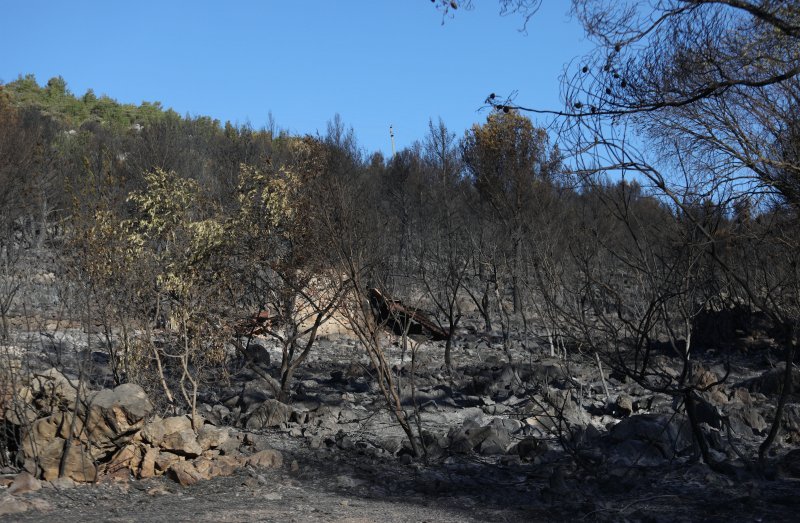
165, 460
468, 437
116, 415
125, 461
184, 473
210, 437
183, 443
155, 431
258, 442
266, 459
271, 413
148, 467
225, 466
52, 391
78, 464
24, 483
229, 446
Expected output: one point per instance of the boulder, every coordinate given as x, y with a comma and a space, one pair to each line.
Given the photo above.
116, 415
78, 464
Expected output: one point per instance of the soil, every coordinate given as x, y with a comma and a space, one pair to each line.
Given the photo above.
339, 468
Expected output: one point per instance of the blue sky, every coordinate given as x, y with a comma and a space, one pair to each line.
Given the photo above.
375, 62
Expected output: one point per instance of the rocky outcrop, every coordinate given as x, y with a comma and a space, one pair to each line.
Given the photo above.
65, 430
69, 432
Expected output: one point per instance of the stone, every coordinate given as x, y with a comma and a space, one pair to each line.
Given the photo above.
183, 443
78, 464
204, 467
224, 466
24, 483
229, 446
53, 391
148, 466
116, 415
125, 461
271, 413
155, 431
184, 473
467, 438
266, 459
257, 441
210, 437
165, 460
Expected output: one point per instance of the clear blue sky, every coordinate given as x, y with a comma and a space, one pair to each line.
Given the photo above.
375, 62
